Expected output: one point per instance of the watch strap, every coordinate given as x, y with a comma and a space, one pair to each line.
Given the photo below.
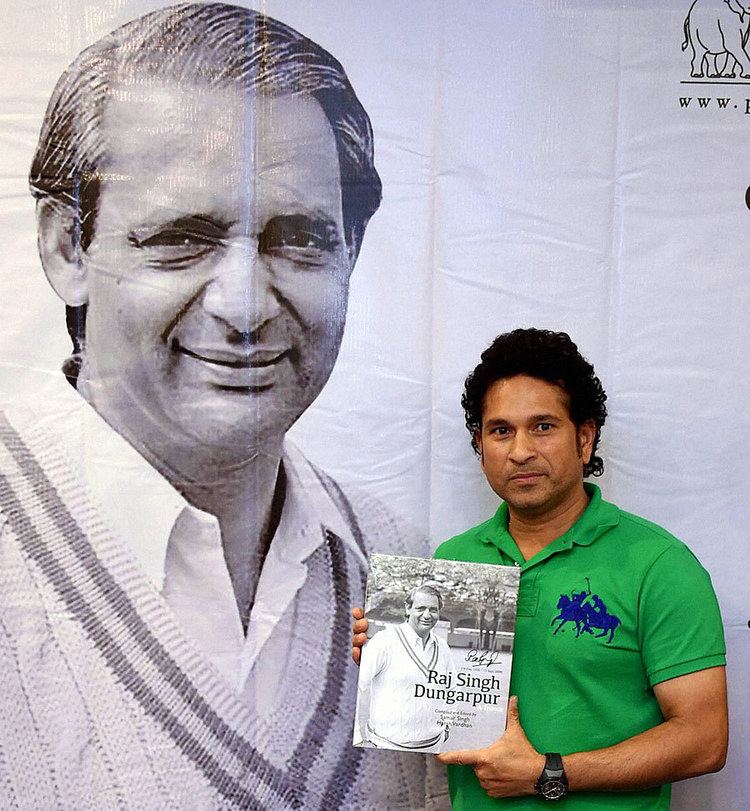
552, 783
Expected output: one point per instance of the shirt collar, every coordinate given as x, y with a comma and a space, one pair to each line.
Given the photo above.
596, 519
141, 508
137, 504
309, 510
414, 638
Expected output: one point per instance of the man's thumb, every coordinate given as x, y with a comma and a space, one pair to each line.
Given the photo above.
512, 719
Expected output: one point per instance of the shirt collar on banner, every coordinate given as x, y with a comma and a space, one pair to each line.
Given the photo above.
308, 513
135, 501
141, 507
167, 535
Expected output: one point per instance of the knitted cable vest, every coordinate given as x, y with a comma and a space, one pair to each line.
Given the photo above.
105, 703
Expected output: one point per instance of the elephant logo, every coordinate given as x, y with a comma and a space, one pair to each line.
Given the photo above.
717, 33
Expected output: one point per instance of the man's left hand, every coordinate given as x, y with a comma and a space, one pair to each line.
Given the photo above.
507, 768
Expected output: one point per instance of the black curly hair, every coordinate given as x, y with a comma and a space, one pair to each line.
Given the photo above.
548, 356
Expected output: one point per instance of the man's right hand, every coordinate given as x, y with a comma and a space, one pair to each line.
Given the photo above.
359, 633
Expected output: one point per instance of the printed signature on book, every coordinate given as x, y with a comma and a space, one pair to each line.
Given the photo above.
484, 658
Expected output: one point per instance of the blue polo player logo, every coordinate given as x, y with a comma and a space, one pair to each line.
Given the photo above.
588, 612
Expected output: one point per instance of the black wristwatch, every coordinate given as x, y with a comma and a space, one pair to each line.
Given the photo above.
552, 783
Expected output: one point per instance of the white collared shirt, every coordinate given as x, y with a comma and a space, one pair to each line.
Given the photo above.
179, 547
394, 662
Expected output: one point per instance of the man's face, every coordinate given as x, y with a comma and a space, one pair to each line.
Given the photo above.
532, 453
424, 613
218, 273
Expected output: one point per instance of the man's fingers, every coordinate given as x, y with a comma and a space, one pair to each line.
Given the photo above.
359, 633
359, 626
461, 757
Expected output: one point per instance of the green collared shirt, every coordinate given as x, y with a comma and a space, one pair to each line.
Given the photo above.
605, 612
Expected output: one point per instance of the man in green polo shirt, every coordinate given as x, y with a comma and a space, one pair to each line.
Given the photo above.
618, 669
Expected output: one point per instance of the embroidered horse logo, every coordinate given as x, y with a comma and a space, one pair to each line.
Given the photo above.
587, 612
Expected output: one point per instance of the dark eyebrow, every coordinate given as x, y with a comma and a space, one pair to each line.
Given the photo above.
498, 422
200, 219
494, 423
305, 218
318, 226
201, 224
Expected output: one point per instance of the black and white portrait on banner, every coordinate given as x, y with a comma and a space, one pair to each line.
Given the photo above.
178, 574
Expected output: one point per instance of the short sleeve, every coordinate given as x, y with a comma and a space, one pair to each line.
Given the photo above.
679, 623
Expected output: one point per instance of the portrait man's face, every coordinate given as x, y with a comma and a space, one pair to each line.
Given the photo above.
424, 613
217, 277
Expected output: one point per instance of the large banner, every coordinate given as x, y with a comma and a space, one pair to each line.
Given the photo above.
573, 166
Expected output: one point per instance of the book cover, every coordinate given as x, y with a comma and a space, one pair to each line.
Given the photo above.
435, 671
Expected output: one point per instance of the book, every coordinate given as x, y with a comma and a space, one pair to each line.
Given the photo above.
435, 672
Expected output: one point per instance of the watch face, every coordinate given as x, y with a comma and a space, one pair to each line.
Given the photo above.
553, 789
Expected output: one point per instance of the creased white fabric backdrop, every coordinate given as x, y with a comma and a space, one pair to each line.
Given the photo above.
538, 169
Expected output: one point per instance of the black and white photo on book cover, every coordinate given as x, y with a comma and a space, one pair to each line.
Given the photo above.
435, 671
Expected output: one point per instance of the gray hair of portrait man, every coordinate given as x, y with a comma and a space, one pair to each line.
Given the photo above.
213, 44
425, 588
